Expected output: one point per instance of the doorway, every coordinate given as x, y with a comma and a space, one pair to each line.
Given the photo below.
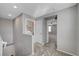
52, 32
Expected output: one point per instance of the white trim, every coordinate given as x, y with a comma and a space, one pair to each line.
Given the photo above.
41, 43
67, 52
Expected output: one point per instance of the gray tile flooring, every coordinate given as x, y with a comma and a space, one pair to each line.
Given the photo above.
40, 50
49, 49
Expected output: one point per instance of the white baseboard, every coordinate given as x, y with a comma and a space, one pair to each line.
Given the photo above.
67, 52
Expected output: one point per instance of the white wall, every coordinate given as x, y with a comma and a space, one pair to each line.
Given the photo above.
6, 32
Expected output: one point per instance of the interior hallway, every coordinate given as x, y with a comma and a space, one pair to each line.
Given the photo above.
49, 49
26, 25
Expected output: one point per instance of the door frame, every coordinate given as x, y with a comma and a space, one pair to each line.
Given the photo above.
48, 35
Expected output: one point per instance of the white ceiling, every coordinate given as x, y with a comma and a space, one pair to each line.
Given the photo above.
32, 9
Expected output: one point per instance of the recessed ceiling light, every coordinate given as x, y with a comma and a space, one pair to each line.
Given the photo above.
9, 15
15, 6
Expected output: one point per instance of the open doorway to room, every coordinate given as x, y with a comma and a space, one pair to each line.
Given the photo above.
52, 35
52, 31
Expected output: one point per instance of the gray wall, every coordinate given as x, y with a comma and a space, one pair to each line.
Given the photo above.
6, 32
44, 30
66, 30
78, 29
38, 31
23, 42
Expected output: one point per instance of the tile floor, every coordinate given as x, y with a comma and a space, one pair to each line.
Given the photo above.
49, 49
